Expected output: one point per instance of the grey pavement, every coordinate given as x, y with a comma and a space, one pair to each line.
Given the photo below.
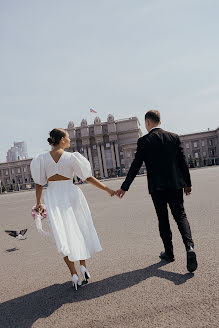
130, 287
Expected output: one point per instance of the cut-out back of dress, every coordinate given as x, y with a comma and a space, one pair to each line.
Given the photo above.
57, 177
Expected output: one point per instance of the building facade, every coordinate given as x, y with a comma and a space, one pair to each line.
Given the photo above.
202, 148
15, 175
17, 152
109, 146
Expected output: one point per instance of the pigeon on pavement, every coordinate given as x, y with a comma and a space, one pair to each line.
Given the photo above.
17, 234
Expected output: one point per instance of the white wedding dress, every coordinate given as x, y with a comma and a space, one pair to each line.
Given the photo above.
67, 209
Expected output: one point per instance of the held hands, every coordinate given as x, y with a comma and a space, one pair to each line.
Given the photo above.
120, 193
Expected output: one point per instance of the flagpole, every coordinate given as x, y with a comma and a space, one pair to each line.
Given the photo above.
90, 117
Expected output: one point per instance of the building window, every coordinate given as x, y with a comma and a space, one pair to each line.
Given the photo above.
204, 153
6, 172
128, 154
94, 147
12, 171
212, 152
18, 170
211, 142
203, 143
195, 144
196, 155
25, 169
187, 145
107, 145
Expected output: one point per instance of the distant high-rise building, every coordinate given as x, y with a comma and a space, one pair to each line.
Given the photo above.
17, 152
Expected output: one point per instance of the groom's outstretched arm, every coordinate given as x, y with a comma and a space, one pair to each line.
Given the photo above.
135, 166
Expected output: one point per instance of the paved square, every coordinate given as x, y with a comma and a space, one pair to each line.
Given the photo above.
130, 287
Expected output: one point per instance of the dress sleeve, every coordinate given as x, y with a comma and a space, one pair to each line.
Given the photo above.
38, 171
81, 166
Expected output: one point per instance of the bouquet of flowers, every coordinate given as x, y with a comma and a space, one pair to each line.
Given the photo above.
38, 215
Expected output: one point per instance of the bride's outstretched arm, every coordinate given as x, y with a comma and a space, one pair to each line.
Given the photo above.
100, 185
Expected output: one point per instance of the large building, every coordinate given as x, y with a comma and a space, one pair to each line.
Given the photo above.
202, 148
109, 146
15, 175
17, 152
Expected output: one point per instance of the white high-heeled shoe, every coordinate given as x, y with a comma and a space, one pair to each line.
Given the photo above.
85, 274
76, 282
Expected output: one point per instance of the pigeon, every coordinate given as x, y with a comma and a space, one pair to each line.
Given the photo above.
17, 234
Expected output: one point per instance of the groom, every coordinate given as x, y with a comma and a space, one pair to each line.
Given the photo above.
168, 175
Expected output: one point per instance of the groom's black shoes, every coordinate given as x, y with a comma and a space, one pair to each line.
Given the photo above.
167, 257
191, 259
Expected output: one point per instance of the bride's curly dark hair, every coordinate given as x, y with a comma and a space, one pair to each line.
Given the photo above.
55, 136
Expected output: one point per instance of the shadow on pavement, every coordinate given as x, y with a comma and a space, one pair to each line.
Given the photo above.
25, 310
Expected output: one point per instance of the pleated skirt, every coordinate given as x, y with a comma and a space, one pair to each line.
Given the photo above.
70, 220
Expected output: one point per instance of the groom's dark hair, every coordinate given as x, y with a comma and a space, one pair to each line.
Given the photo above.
153, 115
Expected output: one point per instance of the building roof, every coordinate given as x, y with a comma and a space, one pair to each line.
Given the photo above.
198, 133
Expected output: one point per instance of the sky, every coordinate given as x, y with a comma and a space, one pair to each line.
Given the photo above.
58, 58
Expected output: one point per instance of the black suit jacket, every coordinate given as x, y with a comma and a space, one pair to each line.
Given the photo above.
164, 159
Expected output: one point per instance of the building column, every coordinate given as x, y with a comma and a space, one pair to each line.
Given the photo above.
113, 155
22, 173
117, 154
90, 159
85, 152
104, 161
9, 175
100, 161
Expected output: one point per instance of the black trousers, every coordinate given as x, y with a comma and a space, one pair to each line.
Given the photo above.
175, 200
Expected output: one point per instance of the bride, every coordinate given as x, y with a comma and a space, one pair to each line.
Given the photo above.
67, 209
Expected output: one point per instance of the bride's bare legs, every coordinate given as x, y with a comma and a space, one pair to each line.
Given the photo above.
82, 262
70, 265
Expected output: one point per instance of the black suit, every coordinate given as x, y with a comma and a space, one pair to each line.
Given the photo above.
168, 174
